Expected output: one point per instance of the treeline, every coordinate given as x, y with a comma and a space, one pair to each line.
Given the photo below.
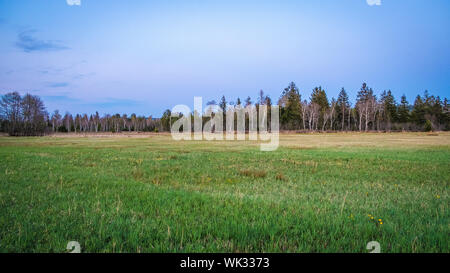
25, 116
368, 113
107, 123
22, 116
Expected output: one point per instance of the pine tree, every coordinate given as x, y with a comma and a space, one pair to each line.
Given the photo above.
403, 111
418, 112
261, 98
342, 106
165, 120
291, 109
319, 97
388, 109
446, 114
365, 102
223, 108
248, 101
223, 104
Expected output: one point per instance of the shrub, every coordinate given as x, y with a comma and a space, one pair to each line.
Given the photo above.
428, 126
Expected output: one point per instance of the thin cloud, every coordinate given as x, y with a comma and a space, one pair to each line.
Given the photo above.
83, 76
58, 84
115, 102
59, 98
28, 43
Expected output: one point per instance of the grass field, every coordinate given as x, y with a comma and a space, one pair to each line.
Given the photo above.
316, 193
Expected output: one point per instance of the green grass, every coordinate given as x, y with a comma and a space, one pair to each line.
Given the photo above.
151, 194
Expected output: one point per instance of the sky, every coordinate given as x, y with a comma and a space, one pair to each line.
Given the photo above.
143, 56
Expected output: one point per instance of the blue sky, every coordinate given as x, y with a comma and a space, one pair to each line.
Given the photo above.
144, 56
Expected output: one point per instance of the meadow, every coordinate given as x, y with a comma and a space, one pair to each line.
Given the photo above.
148, 193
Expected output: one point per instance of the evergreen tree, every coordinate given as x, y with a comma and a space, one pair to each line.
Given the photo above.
446, 114
248, 101
165, 120
223, 104
365, 102
261, 98
403, 111
319, 97
342, 105
418, 112
291, 109
223, 108
388, 109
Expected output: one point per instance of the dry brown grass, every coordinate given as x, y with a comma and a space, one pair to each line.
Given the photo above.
281, 177
303, 141
393, 140
253, 173
109, 134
